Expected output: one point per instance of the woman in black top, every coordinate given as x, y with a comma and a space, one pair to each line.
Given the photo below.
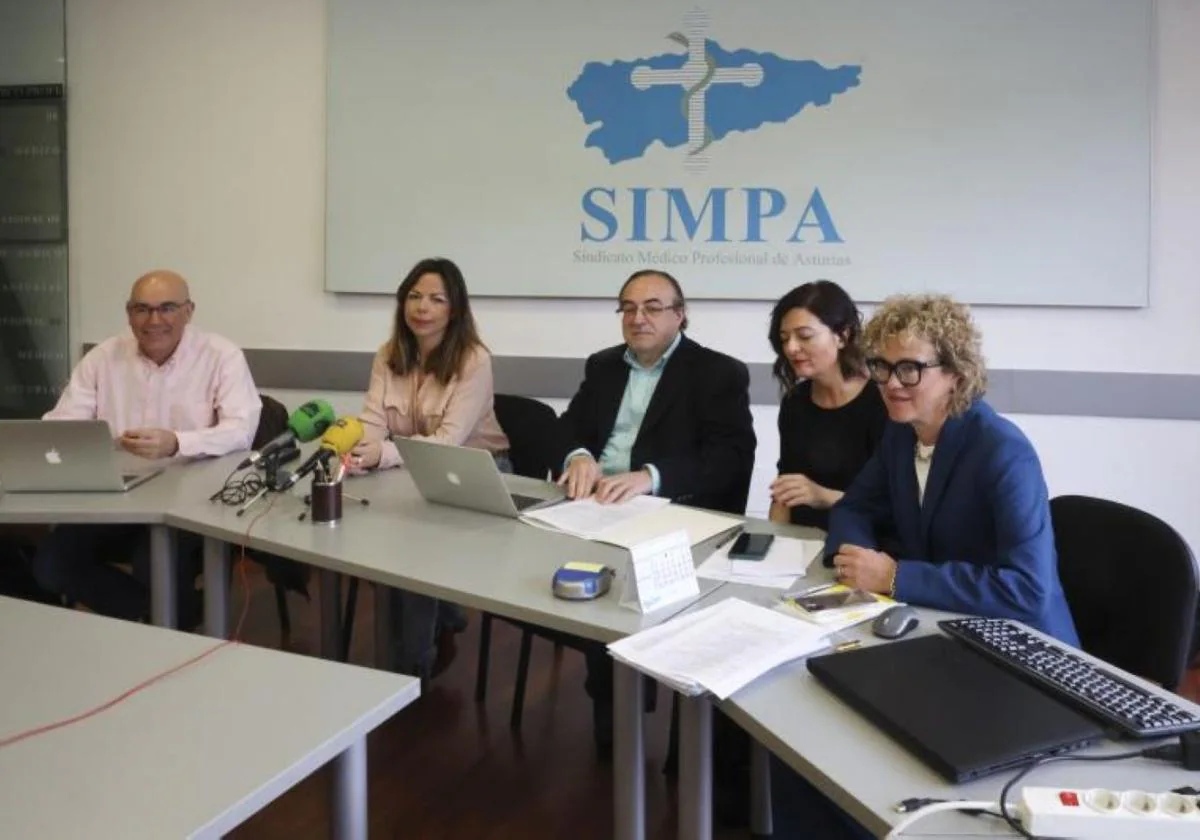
831, 418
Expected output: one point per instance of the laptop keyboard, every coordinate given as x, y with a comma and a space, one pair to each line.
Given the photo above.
1133, 710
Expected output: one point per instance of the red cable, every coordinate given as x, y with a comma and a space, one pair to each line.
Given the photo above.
120, 698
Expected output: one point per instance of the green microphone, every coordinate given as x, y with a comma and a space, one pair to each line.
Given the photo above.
308, 422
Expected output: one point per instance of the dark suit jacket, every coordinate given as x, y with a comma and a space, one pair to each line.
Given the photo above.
697, 432
982, 542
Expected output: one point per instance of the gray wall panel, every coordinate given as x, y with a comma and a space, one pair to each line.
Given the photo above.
1067, 393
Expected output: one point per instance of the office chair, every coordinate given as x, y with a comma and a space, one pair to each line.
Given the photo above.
1131, 583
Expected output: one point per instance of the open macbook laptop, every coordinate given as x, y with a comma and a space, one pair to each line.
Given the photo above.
62, 456
964, 716
466, 477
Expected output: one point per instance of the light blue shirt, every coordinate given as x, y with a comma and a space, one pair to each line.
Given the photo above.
618, 451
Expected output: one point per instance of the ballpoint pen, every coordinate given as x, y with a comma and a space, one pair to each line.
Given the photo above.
728, 539
811, 590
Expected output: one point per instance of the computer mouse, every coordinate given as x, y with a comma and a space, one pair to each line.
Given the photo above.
898, 621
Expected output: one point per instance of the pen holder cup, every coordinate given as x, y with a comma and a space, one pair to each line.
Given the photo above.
326, 505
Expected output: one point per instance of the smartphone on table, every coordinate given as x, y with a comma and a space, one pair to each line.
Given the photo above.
751, 546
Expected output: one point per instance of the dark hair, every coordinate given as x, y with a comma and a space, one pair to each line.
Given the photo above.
461, 336
833, 307
647, 272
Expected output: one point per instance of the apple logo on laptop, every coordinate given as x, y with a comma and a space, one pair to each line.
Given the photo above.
454, 479
52, 456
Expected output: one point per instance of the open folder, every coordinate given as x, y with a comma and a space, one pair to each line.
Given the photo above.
629, 523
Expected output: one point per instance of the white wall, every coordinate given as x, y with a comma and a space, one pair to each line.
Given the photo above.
197, 142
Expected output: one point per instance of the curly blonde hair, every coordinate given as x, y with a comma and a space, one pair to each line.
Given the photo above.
944, 323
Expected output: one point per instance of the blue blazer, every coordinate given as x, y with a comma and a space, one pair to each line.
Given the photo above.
982, 542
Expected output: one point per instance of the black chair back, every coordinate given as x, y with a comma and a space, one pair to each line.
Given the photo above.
1131, 583
530, 426
271, 422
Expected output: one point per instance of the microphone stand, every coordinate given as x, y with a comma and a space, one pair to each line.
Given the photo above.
275, 478
274, 474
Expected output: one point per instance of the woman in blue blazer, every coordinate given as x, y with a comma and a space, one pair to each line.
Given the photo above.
951, 511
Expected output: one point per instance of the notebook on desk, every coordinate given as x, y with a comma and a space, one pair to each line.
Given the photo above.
465, 477
63, 456
959, 713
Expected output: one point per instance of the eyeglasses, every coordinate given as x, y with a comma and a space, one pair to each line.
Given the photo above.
651, 308
907, 371
145, 310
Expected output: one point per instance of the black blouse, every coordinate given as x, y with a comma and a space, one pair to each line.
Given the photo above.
827, 445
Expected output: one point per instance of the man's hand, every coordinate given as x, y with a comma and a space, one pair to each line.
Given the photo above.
365, 456
150, 443
580, 477
864, 568
792, 489
624, 486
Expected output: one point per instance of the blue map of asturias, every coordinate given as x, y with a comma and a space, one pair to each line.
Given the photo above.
631, 119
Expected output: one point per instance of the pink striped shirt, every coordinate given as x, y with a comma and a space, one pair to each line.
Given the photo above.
204, 393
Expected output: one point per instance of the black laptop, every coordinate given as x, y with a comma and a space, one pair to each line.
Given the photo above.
959, 713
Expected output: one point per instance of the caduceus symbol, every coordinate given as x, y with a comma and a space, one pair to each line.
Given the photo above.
697, 74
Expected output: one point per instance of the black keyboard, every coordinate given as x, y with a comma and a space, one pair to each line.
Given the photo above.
1133, 710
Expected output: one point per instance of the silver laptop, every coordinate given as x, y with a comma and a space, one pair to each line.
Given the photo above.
63, 456
466, 477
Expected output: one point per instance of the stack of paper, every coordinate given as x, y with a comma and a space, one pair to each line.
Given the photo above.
629, 523
718, 649
787, 559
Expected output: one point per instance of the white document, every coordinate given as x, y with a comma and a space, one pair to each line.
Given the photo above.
786, 556
700, 525
717, 568
719, 649
787, 559
630, 523
587, 518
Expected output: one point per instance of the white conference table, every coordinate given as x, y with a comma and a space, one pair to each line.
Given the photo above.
479, 560
145, 504
193, 755
866, 772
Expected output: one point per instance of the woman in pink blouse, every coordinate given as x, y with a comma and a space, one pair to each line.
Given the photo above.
432, 380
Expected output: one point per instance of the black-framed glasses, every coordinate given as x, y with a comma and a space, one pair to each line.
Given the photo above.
907, 371
145, 310
652, 308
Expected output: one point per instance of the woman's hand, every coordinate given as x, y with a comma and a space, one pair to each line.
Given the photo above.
865, 568
792, 489
365, 456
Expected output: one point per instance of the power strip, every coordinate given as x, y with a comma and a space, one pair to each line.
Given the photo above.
1100, 814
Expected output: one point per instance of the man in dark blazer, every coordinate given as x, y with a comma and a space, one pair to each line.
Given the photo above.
658, 414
